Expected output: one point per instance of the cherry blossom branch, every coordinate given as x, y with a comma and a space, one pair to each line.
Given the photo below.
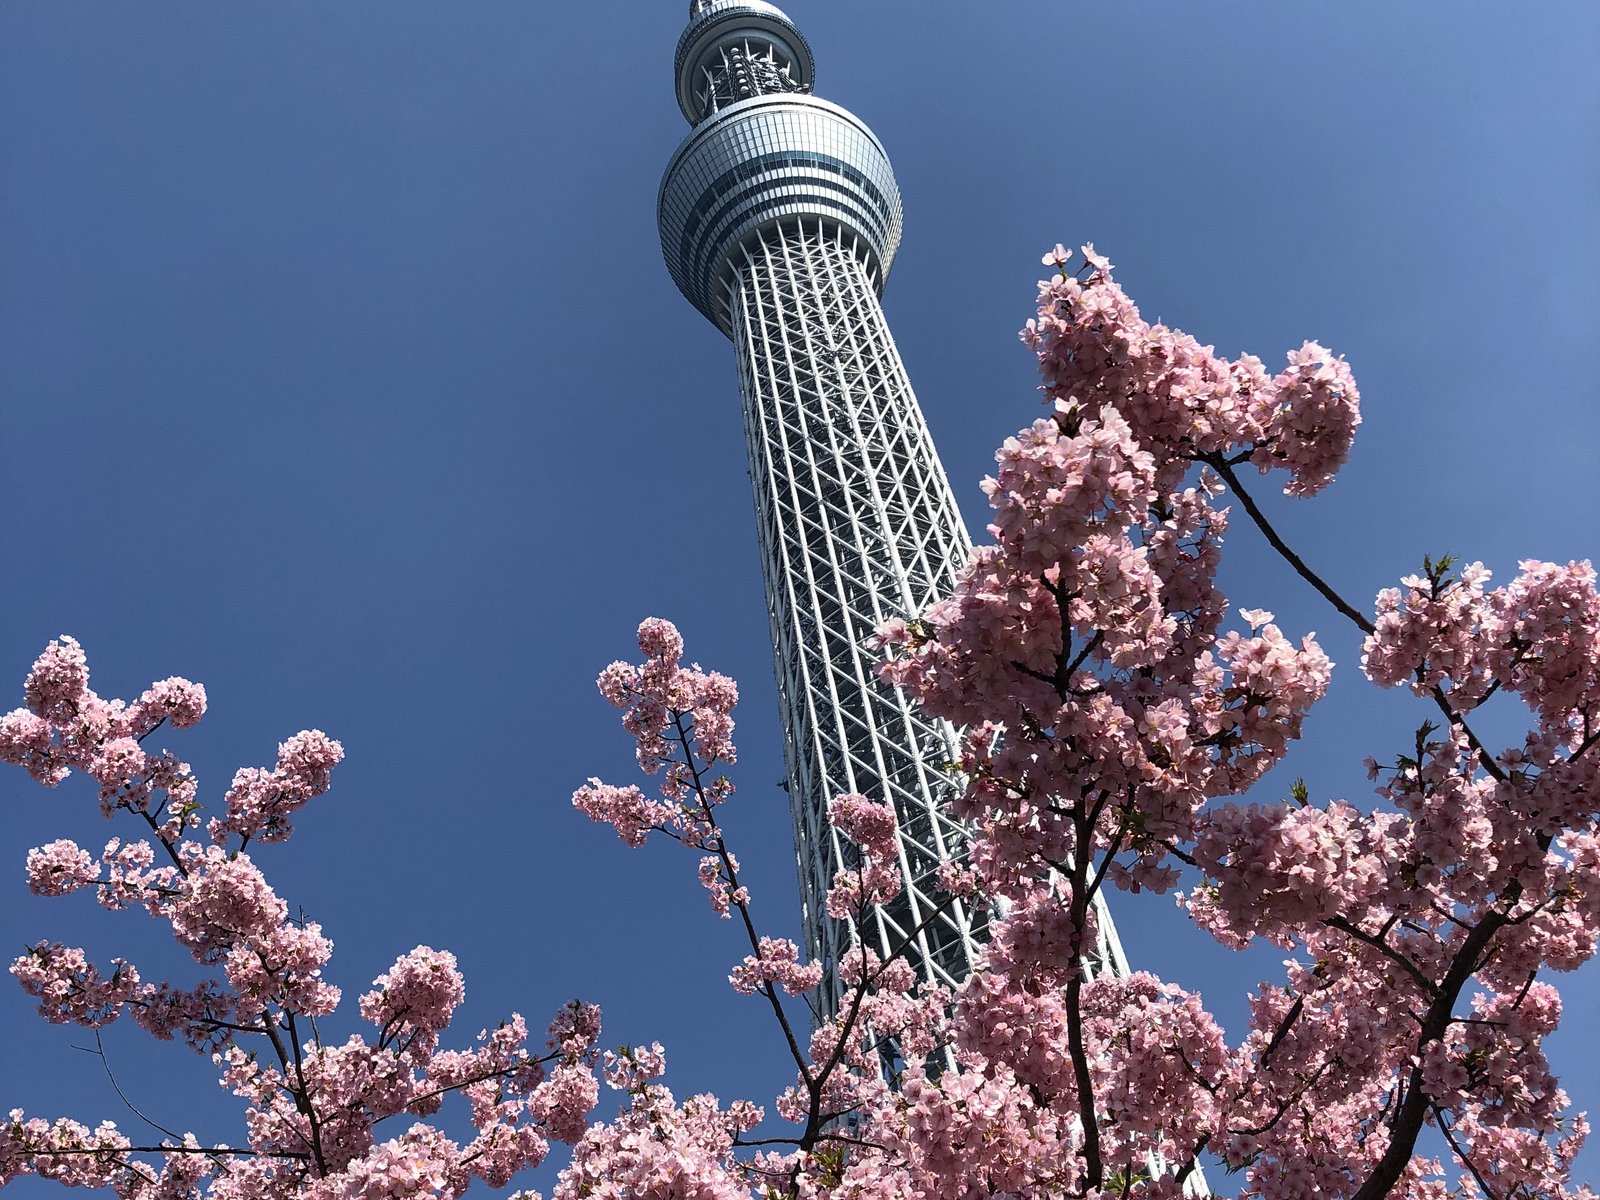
1088, 1111
906, 943
1223, 468
768, 989
814, 1118
1586, 745
1522, 994
214, 1023
100, 1052
1194, 1071
301, 1102
1440, 1116
1178, 852
1192, 1162
172, 852
1457, 721
1360, 619
302, 1096
424, 1097
1282, 1031
1407, 1121
1115, 844
812, 1076
1350, 929
1286, 1103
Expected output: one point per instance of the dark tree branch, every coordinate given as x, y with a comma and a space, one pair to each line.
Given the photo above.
1225, 469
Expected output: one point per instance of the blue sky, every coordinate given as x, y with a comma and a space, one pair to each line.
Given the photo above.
341, 373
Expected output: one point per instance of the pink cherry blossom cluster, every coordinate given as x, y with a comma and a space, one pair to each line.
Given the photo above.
681, 719
60, 867
657, 1149
875, 877
314, 1107
1182, 401
625, 809
70, 988
65, 726
62, 1150
260, 802
777, 961
1538, 637
413, 1001
1110, 718
719, 874
664, 703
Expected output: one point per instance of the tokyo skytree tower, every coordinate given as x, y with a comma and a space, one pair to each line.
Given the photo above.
779, 218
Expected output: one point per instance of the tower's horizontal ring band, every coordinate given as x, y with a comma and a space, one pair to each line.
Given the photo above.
759, 163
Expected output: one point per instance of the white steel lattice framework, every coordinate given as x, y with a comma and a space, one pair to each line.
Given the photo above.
857, 525
779, 219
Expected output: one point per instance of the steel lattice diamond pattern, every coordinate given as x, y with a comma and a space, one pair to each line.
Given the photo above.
852, 534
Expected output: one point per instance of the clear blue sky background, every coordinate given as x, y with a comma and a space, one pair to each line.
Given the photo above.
341, 372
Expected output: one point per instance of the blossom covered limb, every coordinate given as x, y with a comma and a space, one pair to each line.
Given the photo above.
313, 1106
1224, 468
1100, 542
1447, 704
682, 721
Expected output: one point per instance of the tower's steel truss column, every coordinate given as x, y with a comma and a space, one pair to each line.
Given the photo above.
857, 525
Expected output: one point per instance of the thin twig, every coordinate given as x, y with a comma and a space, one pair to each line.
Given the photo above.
1460, 1153
100, 1051
1350, 929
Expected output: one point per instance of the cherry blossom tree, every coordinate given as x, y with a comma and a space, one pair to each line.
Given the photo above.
1116, 711
315, 1110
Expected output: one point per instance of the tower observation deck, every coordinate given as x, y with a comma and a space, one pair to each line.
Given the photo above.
779, 219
